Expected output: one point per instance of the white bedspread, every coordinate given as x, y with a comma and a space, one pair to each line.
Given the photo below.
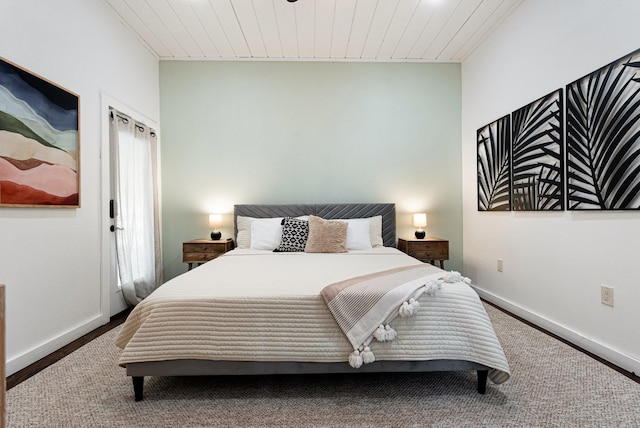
262, 306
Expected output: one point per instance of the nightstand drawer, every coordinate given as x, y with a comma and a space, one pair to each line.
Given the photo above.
200, 257
203, 250
432, 252
426, 250
190, 249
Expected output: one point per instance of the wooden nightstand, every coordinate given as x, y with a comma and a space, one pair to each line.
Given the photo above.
202, 250
426, 250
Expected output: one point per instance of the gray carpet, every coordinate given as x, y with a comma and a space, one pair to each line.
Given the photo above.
552, 385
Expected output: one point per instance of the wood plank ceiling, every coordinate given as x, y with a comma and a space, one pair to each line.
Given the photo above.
313, 30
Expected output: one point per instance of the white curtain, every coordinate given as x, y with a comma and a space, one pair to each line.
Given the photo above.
134, 187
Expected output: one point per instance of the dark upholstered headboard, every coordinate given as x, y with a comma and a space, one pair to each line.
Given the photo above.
326, 211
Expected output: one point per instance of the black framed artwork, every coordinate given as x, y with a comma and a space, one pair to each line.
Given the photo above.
494, 181
537, 156
603, 137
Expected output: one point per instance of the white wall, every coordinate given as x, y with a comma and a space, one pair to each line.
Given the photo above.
304, 132
554, 263
50, 259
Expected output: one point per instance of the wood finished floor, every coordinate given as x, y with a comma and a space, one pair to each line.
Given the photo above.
118, 319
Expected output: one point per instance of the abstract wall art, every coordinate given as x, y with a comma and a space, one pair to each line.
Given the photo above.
494, 183
39, 141
603, 138
537, 156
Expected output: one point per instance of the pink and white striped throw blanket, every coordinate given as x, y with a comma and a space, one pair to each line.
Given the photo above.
364, 306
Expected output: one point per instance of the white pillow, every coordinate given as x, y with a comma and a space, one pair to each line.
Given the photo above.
243, 238
375, 231
243, 225
266, 233
358, 234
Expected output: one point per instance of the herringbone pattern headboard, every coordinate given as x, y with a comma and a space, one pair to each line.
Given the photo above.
326, 211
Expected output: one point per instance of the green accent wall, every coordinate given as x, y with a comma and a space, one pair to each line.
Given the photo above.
303, 132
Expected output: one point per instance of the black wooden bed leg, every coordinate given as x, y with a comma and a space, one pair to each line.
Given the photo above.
138, 386
482, 381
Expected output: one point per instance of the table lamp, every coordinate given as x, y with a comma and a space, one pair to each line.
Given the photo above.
215, 221
420, 221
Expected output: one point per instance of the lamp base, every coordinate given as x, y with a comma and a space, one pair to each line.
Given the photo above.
420, 234
216, 235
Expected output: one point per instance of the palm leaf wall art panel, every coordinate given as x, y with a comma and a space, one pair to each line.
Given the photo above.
537, 157
603, 138
494, 183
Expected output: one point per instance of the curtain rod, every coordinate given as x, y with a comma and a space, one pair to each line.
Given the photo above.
126, 119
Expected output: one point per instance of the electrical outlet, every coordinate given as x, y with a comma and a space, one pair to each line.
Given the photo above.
606, 295
500, 265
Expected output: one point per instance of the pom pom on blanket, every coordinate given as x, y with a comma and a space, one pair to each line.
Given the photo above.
432, 287
367, 356
385, 333
355, 360
454, 276
409, 309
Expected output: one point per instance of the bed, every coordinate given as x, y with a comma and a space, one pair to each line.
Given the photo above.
255, 311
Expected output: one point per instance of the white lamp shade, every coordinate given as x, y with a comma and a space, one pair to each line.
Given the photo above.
215, 220
420, 220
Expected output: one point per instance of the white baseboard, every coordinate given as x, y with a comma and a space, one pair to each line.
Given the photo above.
117, 302
18, 363
613, 356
